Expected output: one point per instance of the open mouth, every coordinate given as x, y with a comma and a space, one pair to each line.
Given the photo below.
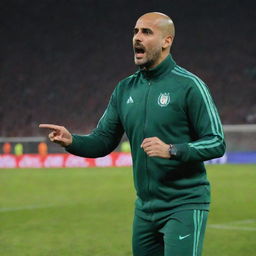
139, 51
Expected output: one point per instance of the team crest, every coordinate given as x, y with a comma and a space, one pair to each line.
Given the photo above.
163, 99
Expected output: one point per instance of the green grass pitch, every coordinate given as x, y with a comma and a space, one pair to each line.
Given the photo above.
66, 212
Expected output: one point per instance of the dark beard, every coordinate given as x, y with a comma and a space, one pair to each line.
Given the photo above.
151, 62
147, 65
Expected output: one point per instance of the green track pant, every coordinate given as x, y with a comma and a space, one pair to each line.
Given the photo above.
181, 234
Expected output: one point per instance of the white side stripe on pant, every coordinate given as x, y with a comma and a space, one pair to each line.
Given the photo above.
198, 220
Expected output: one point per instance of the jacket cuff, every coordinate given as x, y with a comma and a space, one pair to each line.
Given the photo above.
72, 147
182, 151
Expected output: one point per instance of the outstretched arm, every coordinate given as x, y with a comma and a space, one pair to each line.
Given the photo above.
100, 142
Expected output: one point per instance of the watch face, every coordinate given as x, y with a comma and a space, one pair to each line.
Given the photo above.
173, 151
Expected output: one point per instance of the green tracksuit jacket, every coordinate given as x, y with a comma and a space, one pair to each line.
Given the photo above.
174, 105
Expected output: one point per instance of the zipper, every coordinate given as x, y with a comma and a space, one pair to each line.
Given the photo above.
144, 132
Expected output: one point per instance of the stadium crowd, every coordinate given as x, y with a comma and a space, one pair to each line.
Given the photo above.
60, 66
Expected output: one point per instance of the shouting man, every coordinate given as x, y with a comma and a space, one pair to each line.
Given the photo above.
173, 126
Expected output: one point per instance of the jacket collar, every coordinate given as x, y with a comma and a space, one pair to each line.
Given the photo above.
167, 64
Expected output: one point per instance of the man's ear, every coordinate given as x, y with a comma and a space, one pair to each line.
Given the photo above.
167, 42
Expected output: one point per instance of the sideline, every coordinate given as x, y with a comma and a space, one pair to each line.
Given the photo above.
30, 207
235, 225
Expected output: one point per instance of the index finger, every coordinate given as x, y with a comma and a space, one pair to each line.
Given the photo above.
50, 126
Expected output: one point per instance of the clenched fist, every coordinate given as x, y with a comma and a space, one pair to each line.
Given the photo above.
153, 146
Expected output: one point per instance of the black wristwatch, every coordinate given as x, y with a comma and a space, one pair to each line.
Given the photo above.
172, 151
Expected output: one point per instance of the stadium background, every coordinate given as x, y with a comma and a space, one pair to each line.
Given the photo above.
59, 62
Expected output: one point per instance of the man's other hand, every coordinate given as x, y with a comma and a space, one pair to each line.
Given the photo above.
154, 147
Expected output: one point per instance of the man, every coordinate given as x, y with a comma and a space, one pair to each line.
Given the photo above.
173, 126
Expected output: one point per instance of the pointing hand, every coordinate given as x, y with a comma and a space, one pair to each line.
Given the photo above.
59, 134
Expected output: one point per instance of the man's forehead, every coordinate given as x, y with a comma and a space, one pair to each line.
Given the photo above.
156, 22
146, 23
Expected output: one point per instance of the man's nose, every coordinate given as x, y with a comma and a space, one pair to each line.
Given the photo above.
137, 37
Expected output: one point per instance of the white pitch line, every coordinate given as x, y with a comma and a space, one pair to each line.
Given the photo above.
231, 228
248, 221
29, 207
230, 225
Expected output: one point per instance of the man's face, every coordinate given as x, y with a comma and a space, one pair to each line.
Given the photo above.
147, 43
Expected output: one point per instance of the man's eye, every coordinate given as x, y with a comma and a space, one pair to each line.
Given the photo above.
147, 31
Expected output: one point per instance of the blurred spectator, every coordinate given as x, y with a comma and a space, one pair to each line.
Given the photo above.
125, 147
42, 149
7, 148
18, 149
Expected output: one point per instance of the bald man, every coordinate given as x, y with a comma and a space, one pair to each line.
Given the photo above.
173, 126
152, 50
